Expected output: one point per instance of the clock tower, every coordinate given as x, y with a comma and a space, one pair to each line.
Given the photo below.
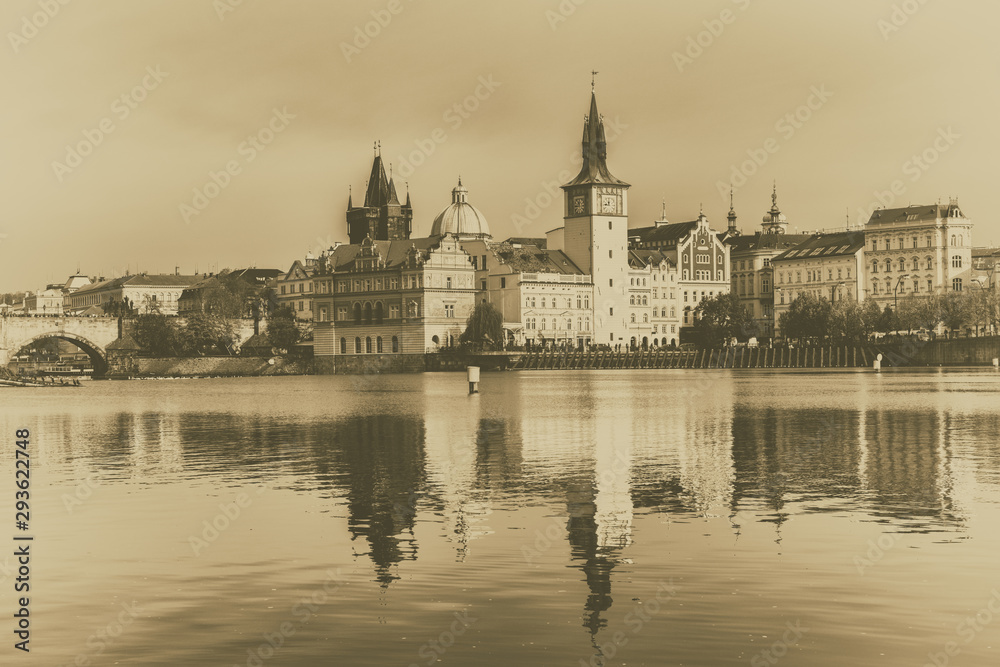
596, 231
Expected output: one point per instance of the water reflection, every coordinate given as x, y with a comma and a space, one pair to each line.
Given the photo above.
599, 450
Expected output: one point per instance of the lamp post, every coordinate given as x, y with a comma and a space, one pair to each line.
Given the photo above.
895, 291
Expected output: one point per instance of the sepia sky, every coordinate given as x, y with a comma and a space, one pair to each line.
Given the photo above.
115, 113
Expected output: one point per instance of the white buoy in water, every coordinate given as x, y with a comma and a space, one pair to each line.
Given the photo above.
473, 373
878, 363
996, 362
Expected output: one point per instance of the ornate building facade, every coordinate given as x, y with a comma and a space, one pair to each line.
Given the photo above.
919, 250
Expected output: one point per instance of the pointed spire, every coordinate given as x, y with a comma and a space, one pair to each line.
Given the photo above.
732, 211
595, 150
408, 194
350, 195
378, 185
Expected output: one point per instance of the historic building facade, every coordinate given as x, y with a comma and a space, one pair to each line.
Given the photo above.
381, 217
700, 255
751, 270
831, 266
393, 297
919, 250
296, 287
595, 232
147, 293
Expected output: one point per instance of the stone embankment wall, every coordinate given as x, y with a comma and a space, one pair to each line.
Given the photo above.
143, 367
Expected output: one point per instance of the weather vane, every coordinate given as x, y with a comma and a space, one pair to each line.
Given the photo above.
593, 80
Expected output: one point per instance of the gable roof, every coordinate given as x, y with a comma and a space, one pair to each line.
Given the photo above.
662, 233
915, 213
141, 280
826, 245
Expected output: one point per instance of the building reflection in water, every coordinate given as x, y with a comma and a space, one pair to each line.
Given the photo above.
604, 446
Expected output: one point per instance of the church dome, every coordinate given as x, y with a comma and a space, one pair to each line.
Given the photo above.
461, 218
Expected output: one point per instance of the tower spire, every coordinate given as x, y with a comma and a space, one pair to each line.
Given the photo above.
732, 212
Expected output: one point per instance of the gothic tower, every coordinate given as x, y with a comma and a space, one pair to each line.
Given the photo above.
596, 230
382, 217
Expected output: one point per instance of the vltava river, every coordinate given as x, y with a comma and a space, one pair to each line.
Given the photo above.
700, 518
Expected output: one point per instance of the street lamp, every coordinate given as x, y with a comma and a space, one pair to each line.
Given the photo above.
895, 294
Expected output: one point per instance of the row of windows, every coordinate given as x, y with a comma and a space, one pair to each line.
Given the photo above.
813, 275
956, 261
703, 275
302, 287
957, 240
581, 302
368, 345
901, 286
582, 324
379, 284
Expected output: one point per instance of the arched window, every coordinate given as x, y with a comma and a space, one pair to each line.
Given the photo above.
645, 301
569, 323
578, 301
633, 318
874, 287
368, 314
435, 340
379, 312
368, 345
586, 302
631, 300
902, 264
875, 266
395, 344
645, 318
579, 324
953, 241
673, 312
888, 266
343, 346
586, 324
378, 345
930, 263
543, 324
357, 346
357, 313
916, 264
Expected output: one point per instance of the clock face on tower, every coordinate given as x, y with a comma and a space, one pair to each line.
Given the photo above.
578, 204
609, 204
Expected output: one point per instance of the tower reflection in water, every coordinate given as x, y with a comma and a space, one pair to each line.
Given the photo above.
604, 449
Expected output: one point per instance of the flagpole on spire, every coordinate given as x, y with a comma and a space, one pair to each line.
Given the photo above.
593, 80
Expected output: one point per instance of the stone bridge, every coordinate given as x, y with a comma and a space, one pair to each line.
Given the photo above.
90, 334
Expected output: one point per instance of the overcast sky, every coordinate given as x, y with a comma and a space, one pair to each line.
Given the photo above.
689, 90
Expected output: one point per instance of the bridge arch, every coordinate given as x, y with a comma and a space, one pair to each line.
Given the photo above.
98, 357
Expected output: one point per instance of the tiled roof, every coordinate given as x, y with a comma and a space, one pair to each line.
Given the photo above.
393, 253
763, 241
826, 245
142, 280
914, 213
641, 257
662, 233
530, 258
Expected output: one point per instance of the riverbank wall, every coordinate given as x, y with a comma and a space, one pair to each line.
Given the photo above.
190, 367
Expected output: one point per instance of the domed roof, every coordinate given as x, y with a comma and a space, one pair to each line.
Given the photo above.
461, 218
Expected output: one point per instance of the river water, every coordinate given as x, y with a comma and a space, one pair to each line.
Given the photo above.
700, 518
